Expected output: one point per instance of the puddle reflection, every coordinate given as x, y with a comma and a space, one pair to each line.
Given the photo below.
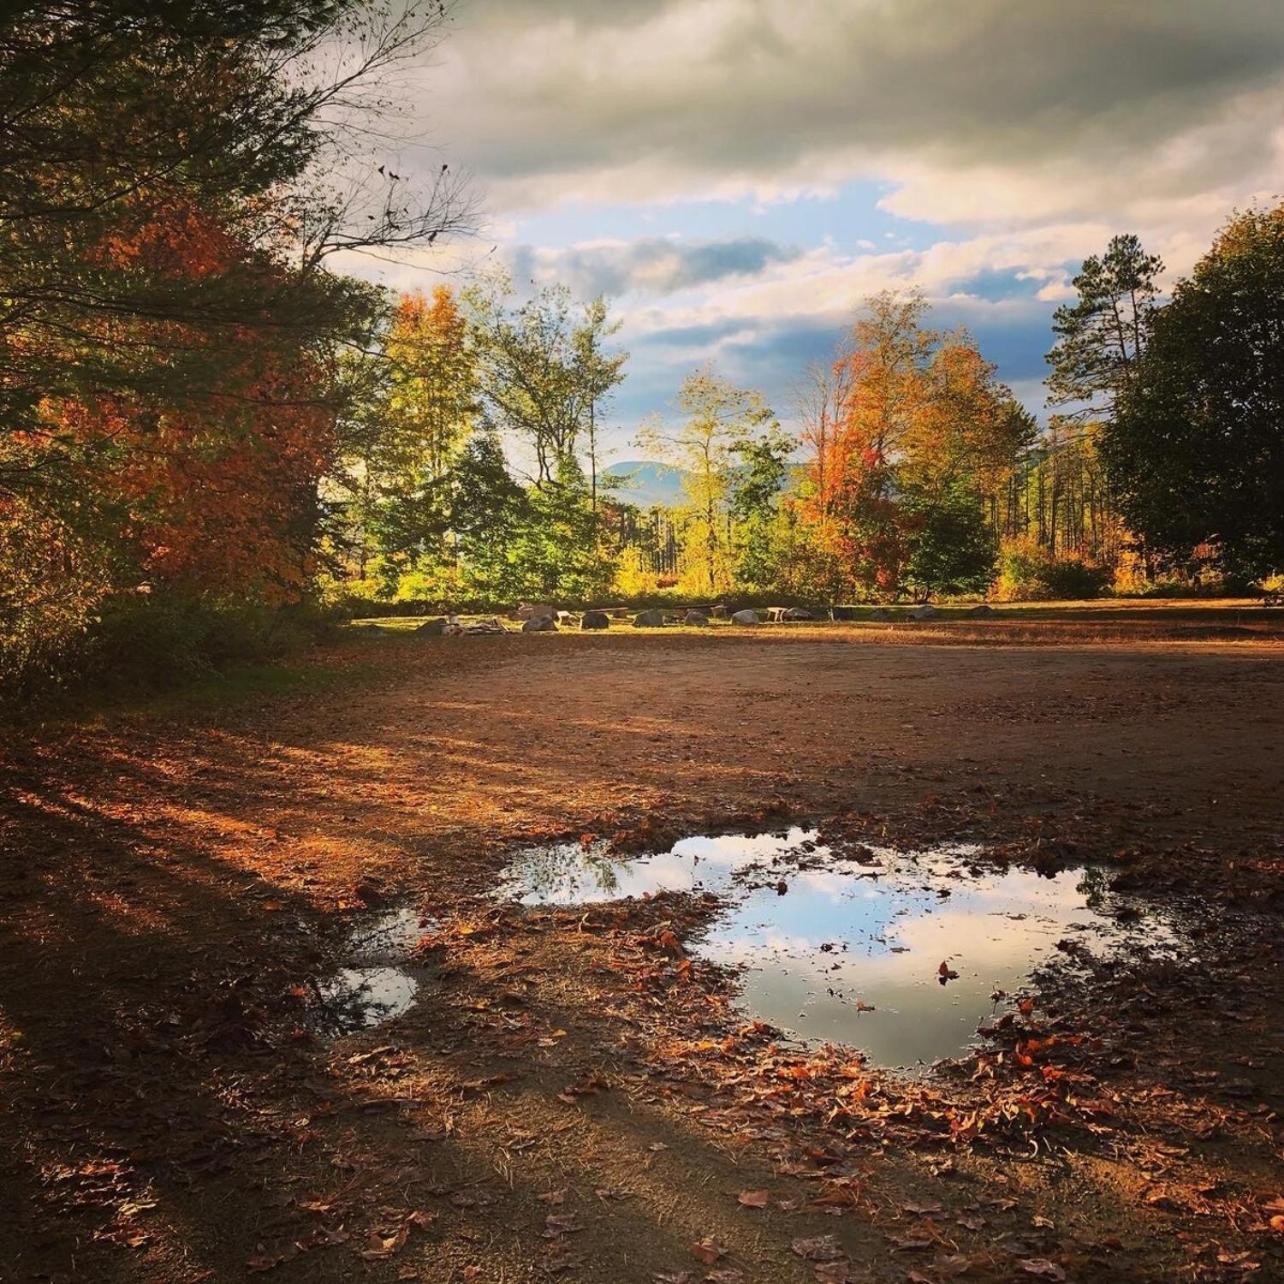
847, 946
378, 982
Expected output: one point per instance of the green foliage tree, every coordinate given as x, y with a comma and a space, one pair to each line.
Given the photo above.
1195, 451
760, 520
488, 514
950, 546
1102, 335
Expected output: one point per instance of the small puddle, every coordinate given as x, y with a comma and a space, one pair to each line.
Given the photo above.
378, 981
846, 946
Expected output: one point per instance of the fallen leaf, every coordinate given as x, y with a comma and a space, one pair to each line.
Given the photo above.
818, 1248
753, 1198
1041, 1268
708, 1250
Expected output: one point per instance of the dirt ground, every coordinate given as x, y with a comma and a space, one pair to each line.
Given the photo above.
574, 1096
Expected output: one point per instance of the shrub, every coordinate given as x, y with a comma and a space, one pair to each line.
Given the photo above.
1029, 572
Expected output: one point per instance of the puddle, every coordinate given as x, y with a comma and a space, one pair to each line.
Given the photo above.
847, 946
377, 982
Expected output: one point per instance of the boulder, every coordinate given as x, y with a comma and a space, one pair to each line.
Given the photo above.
983, 609
432, 628
745, 617
719, 612
482, 628
796, 613
924, 612
536, 611
595, 620
648, 620
540, 624
696, 619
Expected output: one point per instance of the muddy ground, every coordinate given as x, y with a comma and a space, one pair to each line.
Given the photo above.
575, 1095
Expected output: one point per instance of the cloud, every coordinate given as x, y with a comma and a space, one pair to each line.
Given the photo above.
658, 265
1019, 109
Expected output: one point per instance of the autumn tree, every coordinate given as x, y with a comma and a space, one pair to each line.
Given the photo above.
171, 327
908, 411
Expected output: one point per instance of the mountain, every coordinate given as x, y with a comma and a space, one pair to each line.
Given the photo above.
646, 483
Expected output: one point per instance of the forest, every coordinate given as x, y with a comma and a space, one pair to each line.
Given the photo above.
213, 438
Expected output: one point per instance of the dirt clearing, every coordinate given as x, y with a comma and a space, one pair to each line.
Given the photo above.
573, 1091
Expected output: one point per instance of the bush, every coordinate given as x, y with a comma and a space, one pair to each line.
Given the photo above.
152, 641
1029, 572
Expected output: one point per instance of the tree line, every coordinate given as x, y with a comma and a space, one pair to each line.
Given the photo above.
912, 469
206, 429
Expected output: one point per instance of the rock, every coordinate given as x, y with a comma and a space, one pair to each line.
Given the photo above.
719, 612
482, 628
983, 609
797, 613
745, 617
924, 612
879, 614
536, 611
432, 628
540, 624
595, 620
696, 619
649, 620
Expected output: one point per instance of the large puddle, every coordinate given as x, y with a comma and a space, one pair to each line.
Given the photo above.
378, 982
900, 954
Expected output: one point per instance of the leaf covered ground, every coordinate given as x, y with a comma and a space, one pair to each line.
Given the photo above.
575, 1094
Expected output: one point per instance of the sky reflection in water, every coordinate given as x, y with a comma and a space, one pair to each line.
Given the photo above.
849, 934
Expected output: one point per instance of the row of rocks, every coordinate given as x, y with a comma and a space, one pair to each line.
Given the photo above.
543, 618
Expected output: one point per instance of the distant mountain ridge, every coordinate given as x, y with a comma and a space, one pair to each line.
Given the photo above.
646, 483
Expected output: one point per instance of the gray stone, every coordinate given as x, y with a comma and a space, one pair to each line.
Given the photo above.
595, 620
540, 624
696, 619
432, 628
648, 620
483, 628
983, 609
745, 617
796, 613
924, 612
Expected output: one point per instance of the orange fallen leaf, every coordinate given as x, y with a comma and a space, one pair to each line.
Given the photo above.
753, 1198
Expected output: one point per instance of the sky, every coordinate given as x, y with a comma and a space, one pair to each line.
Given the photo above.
737, 175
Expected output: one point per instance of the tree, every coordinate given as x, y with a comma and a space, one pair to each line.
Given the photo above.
601, 371
1103, 334
1195, 451
907, 411
488, 511
542, 375
722, 421
756, 507
950, 547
